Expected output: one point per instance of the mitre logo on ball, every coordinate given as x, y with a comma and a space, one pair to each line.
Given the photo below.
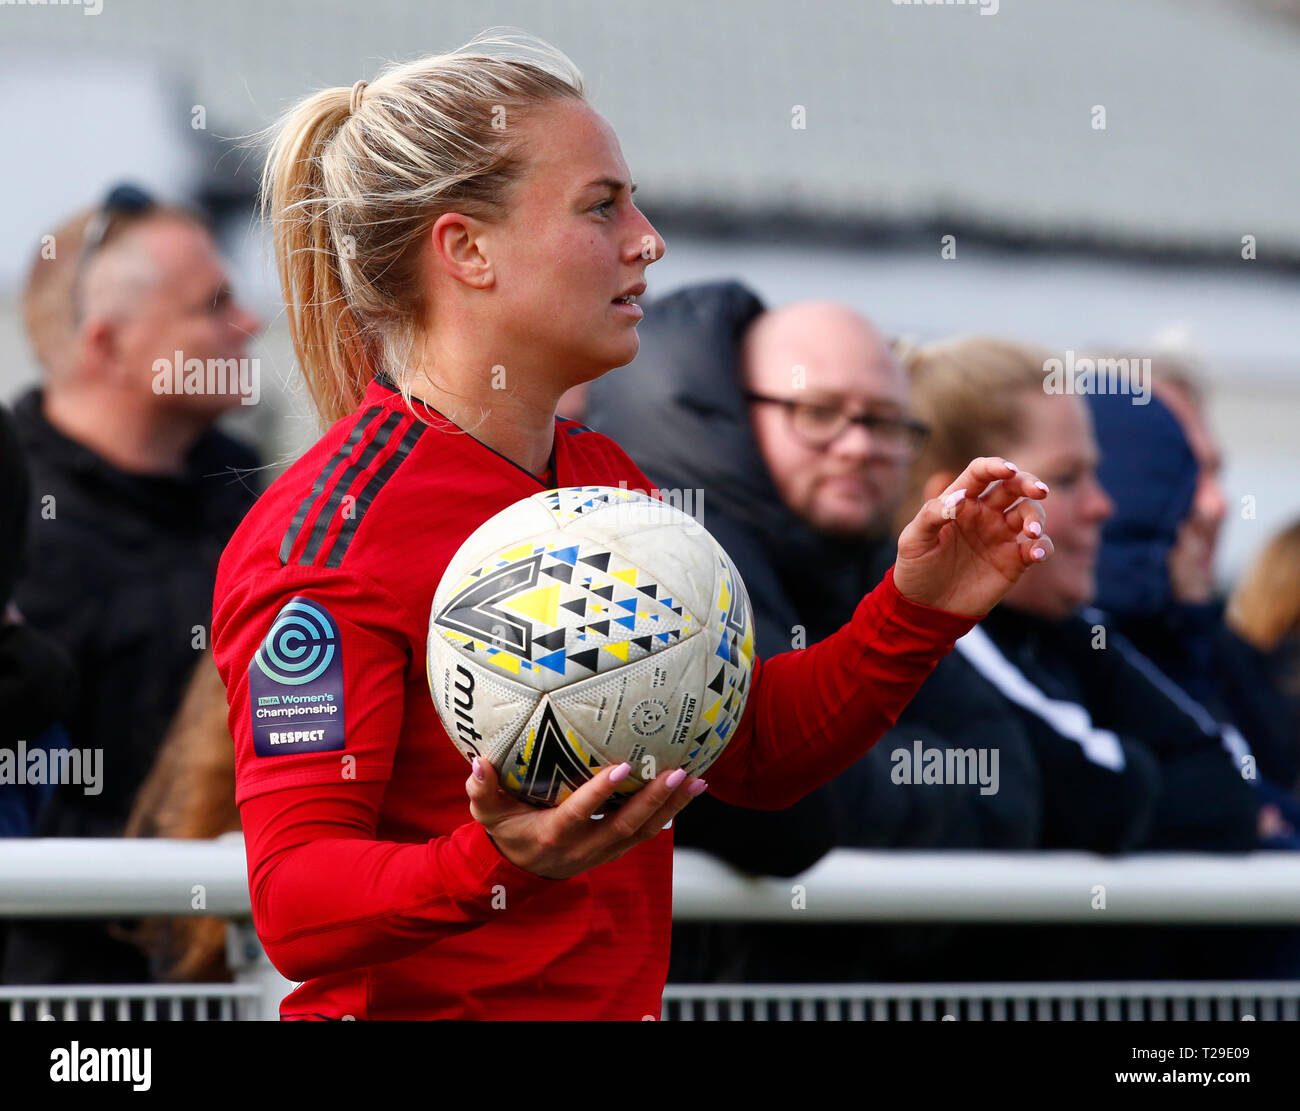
585, 626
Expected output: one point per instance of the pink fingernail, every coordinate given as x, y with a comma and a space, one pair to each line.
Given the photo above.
1039, 553
950, 504
674, 780
620, 773
697, 788
1042, 486
1014, 468
477, 769
1034, 529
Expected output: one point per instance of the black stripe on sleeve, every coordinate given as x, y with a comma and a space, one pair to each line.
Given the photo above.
321, 526
331, 468
371, 490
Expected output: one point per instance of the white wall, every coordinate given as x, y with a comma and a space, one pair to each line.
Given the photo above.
912, 111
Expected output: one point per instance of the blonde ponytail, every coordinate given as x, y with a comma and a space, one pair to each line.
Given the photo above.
350, 196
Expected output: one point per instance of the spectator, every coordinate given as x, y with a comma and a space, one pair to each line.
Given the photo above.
1156, 567
1040, 622
1177, 383
36, 675
809, 527
1092, 702
1265, 612
136, 492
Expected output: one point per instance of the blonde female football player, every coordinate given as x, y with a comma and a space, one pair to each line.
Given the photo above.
458, 245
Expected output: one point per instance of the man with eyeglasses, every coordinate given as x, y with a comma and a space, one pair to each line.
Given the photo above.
838, 450
793, 424
134, 494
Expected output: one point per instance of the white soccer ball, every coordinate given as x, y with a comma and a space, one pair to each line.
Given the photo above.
585, 626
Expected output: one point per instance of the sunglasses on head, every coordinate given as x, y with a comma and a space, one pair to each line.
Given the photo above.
124, 204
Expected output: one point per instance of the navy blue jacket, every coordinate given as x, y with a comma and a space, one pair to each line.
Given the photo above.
1150, 473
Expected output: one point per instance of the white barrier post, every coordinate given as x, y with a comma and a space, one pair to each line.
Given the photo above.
250, 965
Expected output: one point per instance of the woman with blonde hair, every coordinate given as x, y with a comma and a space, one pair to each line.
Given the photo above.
1265, 607
1128, 760
1264, 611
1044, 628
458, 246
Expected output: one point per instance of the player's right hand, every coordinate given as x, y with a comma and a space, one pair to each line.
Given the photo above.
564, 840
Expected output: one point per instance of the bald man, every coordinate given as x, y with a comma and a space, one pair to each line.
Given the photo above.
142, 346
106, 328
808, 369
787, 432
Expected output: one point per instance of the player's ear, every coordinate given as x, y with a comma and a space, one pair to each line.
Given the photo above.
457, 246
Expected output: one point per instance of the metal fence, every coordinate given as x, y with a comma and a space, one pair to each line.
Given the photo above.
1068, 1002
92, 878
139, 1003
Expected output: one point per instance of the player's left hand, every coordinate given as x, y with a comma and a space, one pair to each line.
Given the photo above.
966, 548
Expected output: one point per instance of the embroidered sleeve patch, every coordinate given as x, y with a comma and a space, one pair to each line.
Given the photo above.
295, 683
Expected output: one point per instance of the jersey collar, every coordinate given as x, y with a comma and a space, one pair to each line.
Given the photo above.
382, 390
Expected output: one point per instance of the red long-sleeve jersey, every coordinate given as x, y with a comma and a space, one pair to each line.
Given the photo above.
370, 881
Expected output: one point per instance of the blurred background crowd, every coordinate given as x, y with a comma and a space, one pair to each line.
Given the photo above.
886, 224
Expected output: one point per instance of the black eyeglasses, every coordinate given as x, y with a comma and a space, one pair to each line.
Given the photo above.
819, 426
124, 204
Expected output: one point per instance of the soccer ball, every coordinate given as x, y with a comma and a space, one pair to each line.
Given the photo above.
585, 626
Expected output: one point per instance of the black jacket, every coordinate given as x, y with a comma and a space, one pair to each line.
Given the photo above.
37, 677
678, 411
120, 571
1150, 473
1179, 788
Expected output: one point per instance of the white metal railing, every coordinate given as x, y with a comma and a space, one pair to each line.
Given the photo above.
128, 877
58, 877
54, 877
1060, 887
